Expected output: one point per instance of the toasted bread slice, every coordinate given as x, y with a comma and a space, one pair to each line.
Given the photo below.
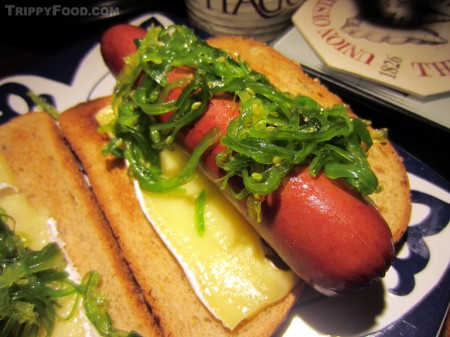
394, 202
49, 176
162, 280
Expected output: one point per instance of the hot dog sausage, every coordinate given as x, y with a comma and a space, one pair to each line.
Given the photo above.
325, 231
118, 42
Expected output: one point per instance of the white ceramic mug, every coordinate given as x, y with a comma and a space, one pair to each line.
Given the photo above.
258, 19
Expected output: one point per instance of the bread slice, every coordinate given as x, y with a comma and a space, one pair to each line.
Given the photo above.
162, 280
49, 176
394, 202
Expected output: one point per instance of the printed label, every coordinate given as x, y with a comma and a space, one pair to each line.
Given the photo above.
400, 44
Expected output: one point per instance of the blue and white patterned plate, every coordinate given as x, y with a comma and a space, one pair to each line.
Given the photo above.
413, 298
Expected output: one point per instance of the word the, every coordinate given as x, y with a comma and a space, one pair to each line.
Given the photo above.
431, 69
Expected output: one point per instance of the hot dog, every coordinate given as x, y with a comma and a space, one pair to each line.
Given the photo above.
307, 217
173, 306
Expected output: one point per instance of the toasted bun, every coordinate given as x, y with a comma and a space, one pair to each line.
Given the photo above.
394, 202
173, 302
49, 176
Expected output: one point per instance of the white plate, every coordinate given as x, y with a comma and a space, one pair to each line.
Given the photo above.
413, 298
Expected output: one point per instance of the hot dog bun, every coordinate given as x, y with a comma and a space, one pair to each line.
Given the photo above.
173, 302
49, 176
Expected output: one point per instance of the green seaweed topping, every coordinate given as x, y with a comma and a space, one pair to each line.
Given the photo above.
33, 282
274, 132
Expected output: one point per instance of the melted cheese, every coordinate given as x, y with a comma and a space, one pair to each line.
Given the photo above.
35, 225
226, 265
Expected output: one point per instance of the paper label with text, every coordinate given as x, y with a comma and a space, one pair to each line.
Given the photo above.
381, 45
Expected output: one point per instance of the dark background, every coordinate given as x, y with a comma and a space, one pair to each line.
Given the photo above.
28, 40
